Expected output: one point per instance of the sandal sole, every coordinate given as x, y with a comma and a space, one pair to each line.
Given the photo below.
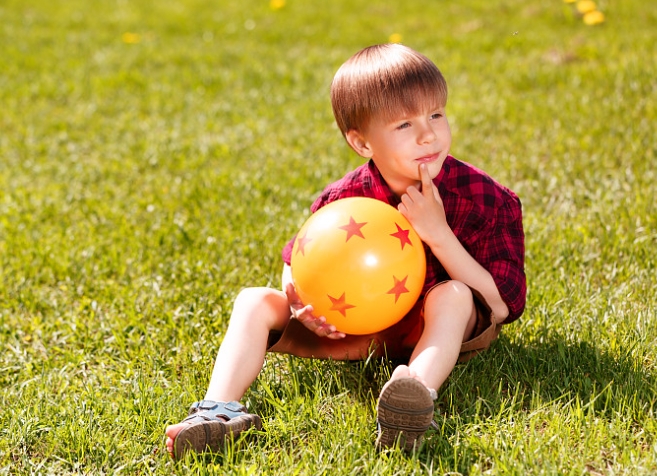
211, 435
404, 413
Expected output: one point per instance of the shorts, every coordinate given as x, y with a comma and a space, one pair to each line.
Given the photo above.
395, 342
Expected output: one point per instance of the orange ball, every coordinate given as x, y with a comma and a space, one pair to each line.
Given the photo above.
359, 263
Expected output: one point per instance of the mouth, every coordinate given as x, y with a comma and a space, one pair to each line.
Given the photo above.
427, 159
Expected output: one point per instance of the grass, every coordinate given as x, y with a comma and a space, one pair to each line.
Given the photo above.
155, 157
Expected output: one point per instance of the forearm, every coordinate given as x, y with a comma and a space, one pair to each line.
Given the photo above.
461, 266
286, 276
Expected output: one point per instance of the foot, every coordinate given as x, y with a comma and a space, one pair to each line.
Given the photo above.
404, 371
404, 411
208, 425
172, 432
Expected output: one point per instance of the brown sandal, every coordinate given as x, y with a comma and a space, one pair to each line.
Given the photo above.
210, 423
404, 413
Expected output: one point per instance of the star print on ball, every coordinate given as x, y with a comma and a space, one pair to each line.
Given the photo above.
359, 263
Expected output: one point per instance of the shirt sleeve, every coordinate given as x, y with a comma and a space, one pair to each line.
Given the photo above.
287, 250
503, 255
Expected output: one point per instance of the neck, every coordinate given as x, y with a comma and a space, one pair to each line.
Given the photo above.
401, 189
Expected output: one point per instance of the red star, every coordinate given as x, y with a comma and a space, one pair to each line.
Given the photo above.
340, 304
402, 235
302, 242
399, 288
353, 228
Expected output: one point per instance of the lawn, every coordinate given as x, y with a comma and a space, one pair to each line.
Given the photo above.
156, 156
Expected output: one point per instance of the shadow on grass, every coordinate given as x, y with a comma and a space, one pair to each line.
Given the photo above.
552, 370
512, 379
511, 382
534, 373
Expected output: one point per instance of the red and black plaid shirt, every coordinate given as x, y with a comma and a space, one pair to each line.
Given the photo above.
485, 216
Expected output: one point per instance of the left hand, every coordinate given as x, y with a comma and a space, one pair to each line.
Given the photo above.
424, 209
304, 314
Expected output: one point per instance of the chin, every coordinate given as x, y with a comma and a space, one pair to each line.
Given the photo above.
435, 167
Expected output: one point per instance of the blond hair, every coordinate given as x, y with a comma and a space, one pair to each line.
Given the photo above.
383, 81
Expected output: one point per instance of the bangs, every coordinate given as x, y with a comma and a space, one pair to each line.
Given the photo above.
390, 103
386, 82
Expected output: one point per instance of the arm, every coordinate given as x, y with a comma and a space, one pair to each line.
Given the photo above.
424, 209
286, 276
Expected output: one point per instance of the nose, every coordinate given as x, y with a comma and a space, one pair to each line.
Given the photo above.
426, 134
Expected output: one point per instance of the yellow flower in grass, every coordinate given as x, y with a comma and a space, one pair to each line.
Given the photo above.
585, 6
276, 4
594, 18
131, 38
569, 1
395, 38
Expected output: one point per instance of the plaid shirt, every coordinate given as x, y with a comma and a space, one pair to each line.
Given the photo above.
485, 216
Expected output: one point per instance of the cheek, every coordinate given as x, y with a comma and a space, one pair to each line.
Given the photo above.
446, 132
447, 140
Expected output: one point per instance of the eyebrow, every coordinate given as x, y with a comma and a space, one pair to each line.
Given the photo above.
405, 115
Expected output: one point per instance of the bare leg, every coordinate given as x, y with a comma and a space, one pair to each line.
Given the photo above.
405, 407
449, 318
241, 355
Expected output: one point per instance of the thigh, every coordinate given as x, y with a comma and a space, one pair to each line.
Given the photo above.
396, 342
484, 329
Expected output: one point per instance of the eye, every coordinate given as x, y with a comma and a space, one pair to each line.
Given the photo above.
436, 115
404, 125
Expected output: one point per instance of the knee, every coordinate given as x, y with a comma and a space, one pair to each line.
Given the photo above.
451, 290
259, 297
452, 296
261, 304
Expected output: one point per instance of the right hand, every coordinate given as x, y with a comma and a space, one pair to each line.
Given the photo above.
304, 314
424, 209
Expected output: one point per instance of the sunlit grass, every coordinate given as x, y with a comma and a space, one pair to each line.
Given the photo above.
156, 156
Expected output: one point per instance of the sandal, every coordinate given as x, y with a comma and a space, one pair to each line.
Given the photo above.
210, 423
404, 413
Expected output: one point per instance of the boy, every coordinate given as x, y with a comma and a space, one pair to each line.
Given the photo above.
389, 102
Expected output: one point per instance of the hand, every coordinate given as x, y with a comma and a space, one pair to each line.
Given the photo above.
424, 209
304, 314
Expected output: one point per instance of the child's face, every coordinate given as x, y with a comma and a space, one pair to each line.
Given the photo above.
398, 147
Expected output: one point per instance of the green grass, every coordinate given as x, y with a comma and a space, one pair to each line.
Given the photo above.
145, 179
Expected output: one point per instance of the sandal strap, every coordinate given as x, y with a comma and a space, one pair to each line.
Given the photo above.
210, 410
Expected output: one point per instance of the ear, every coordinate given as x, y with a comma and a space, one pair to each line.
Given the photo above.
357, 141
